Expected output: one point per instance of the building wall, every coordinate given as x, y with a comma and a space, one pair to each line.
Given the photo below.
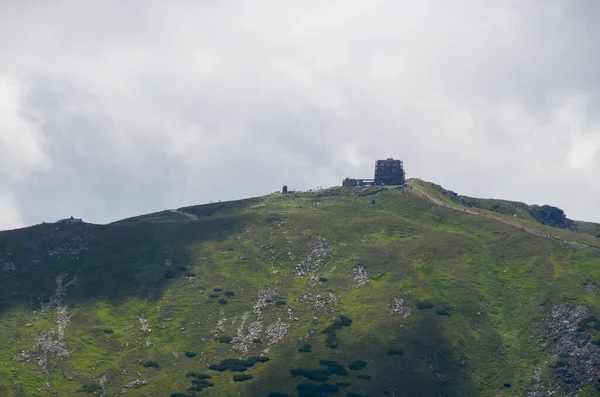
389, 172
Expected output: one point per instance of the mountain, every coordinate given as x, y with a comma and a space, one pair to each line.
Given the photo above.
374, 291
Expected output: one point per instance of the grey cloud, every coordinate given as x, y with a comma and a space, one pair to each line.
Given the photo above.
141, 106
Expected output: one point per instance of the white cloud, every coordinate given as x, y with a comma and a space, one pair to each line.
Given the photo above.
147, 105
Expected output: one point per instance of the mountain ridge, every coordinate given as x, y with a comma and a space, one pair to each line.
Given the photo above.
343, 291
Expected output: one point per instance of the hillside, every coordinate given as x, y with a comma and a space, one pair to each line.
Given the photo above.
411, 291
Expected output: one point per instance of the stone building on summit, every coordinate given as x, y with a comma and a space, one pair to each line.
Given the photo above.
388, 172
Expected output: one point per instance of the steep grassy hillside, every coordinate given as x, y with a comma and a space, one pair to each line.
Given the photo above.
346, 292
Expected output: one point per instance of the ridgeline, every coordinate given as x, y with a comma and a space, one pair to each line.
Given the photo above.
362, 291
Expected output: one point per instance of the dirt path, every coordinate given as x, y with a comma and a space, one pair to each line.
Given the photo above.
420, 192
191, 217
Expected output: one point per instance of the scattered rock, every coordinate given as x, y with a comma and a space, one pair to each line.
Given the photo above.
399, 306
566, 337
360, 275
322, 303
133, 385
145, 325
319, 251
276, 332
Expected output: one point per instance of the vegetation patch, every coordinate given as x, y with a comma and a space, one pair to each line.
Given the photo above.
343, 384
424, 305
91, 388
334, 368
223, 301
237, 365
150, 364
213, 295
316, 375
350, 394
108, 331
395, 352
589, 322
357, 365
229, 294
561, 364
170, 275
197, 375
190, 354
332, 340
277, 394
280, 303
442, 312
190, 274
242, 378
217, 289
323, 279
305, 349
364, 377
225, 339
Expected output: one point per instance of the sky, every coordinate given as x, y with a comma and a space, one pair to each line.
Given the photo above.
112, 109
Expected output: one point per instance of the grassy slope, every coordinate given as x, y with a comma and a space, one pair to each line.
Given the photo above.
490, 277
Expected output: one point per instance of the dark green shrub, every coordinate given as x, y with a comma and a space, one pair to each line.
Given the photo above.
442, 312
190, 274
305, 349
223, 301
242, 378
197, 375
257, 341
213, 296
357, 365
332, 340
182, 268
323, 279
229, 294
589, 322
179, 395
561, 363
507, 385
91, 388
364, 377
225, 339
170, 274
258, 359
350, 394
317, 376
596, 342
333, 368
424, 305
108, 331
343, 384
217, 290
395, 352
190, 354
202, 383
150, 364
280, 303
236, 365
277, 394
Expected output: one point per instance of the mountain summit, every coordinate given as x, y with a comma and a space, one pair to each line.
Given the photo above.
360, 291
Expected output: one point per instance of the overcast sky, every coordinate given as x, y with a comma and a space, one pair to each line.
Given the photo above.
110, 109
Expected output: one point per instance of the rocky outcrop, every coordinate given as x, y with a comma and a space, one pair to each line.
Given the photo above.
319, 252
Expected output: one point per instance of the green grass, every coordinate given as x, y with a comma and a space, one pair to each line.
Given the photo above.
475, 287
